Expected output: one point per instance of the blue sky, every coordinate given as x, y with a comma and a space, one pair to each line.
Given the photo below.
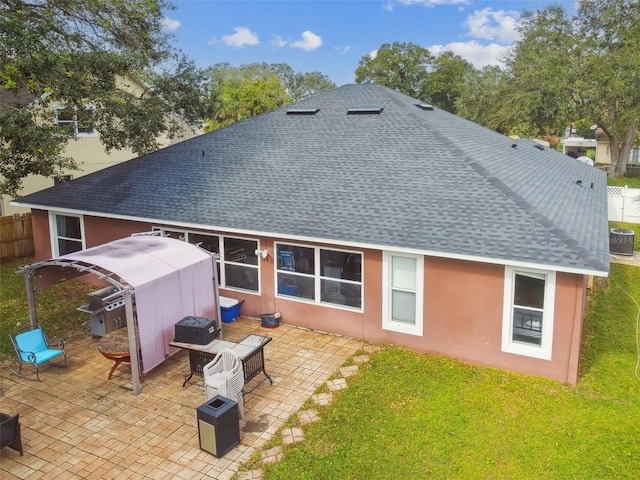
331, 36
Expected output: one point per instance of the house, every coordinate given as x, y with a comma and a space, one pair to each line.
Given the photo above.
367, 213
86, 149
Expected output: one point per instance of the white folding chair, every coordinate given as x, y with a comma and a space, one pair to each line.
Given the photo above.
224, 376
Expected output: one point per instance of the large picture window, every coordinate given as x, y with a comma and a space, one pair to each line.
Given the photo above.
67, 233
402, 300
319, 275
236, 262
528, 312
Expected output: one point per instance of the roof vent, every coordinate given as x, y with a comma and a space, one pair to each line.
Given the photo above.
538, 146
302, 111
424, 106
364, 111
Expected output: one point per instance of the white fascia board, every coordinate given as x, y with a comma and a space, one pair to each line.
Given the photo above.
307, 239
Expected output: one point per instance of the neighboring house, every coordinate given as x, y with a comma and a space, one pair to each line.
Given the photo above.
363, 212
603, 153
578, 147
86, 149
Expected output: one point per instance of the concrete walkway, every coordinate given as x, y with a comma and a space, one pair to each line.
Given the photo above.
76, 424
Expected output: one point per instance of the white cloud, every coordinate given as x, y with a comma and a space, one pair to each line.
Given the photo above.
310, 41
170, 23
277, 41
473, 52
241, 37
389, 6
494, 25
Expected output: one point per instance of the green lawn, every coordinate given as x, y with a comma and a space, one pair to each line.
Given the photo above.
412, 416
621, 182
55, 306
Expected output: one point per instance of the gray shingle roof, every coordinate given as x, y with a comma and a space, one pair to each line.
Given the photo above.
406, 178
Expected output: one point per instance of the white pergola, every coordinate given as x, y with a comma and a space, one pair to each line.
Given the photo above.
168, 278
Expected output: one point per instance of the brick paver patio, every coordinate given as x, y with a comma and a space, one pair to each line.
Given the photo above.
76, 424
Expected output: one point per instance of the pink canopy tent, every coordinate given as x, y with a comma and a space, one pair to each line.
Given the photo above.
169, 279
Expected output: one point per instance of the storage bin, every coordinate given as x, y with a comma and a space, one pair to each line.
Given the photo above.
197, 330
229, 309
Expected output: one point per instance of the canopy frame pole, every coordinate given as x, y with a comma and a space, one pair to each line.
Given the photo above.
133, 344
31, 298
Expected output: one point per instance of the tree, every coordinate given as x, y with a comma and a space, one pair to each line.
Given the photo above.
484, 99
582, 68
303, 85
73, 55
446, 81
404, 67
242, 92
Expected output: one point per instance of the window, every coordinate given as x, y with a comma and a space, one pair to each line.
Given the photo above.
61, 179
319, 275
237, 263
75, 120
527, 327
402, 300
67, 233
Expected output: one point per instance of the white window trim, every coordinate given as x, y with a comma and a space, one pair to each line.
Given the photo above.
318, 278
93, 133
387, 322
544, 350
53, 231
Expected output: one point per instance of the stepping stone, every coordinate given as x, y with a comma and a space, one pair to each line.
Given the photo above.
292, 435
322, 398
250, 475
308, 416
349, 371
272, 455
337, 384
361, 358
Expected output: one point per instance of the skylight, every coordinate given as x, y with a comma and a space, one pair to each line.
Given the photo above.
302, 111
424, 106
364, 111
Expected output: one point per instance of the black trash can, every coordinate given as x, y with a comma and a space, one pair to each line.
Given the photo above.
218, 425
621, 241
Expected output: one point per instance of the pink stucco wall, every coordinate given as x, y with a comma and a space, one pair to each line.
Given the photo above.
463, 306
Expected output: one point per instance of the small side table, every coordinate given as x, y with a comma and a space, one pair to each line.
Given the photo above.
115, 346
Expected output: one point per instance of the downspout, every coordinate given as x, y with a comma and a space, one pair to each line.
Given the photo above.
133, 344
574, 346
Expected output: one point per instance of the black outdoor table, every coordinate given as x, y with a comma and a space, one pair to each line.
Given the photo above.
250, 350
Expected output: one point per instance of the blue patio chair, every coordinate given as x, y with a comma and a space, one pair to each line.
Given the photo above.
33, 348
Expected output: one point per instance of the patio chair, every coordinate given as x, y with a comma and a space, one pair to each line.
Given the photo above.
10, 432
33, 348
224, 375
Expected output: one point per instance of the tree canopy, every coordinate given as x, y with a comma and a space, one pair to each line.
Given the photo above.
74, 55
404, 67
413, 70
581, 69
238, 93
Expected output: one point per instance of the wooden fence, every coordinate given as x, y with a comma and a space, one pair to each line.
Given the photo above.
16, 237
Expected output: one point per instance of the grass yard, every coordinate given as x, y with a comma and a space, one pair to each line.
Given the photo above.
56, 306
621, 182
412, 416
